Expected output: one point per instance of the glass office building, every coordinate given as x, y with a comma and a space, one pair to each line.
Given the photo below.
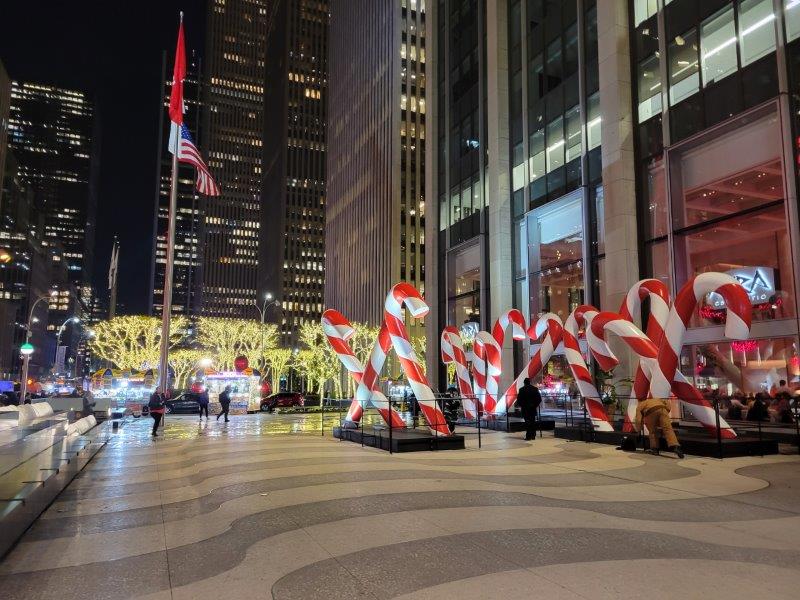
614, 141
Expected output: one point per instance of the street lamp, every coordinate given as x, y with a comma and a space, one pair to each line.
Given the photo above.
262, 311
27, 348
58, 338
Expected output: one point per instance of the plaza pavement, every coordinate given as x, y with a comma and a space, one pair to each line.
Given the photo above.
266, 507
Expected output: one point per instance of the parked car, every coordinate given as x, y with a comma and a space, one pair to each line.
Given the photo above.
282, 400
182, 404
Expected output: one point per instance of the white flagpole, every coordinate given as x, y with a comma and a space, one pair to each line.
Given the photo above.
163, 368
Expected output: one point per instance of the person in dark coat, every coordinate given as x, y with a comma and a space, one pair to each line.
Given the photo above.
156, 406
202, 401
758, 411
528, 400
225, 402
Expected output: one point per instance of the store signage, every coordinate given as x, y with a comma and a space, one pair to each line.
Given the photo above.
470, 329
758, 282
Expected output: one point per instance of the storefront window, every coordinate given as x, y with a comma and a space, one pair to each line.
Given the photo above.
463, 286
556, 256
735, 171
684, 78
718, 46
742, 367
560, 234
754, 248
756, 29
559, 290
756, 186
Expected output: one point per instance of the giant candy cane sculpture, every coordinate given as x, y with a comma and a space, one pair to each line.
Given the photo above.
666, 378
591, 398
550, 325
656, 290
338, 330
494, 352
400, 295
648, 357
453, 353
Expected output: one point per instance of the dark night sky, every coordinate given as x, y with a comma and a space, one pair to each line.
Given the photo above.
111, 49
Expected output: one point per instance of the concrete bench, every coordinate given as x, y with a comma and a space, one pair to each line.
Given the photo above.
30, 412
81, 426
28, 488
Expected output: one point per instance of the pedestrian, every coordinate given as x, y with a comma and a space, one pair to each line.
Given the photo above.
202, 401
156, 406
88, 404
528, 400
654, 414
450, 406
225, 402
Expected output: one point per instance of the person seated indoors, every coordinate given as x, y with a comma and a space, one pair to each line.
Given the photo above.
783, 411
759, 410
736, 405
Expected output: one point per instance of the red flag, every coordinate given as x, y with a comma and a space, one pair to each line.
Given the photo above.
178, 75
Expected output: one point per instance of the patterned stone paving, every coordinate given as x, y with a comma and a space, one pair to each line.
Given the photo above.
266, 507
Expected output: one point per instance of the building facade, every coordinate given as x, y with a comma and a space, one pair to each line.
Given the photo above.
293, 216
376, 155
233, 95
619, 140
188, 251
53, 135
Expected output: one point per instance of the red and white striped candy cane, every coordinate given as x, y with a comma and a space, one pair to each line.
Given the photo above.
737, 323
648, 359
338, 330
550, 325
572, 349
657, 291
400, 295
666, 377
453, 353
483, 368
510, 318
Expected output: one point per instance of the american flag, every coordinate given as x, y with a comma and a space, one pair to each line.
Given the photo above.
188, 153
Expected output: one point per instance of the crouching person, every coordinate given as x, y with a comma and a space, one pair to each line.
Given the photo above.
654, 414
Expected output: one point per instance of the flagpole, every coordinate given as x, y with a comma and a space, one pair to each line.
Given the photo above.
163, 368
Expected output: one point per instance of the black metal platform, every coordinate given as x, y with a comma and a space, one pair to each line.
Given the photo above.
401, 440
697, 444
510, 425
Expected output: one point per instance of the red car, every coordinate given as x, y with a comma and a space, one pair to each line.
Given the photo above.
282, 400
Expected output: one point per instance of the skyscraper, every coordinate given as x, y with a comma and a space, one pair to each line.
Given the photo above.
54, 137
293, 223
376, 172
187, 280
233, 95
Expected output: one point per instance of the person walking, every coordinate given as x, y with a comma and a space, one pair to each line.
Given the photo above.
654, 414
202, 401
156, 406
225, 402
528, 400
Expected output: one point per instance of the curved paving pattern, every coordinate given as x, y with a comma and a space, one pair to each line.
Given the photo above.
245, 510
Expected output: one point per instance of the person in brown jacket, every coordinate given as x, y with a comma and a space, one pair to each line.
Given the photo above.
654, 414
